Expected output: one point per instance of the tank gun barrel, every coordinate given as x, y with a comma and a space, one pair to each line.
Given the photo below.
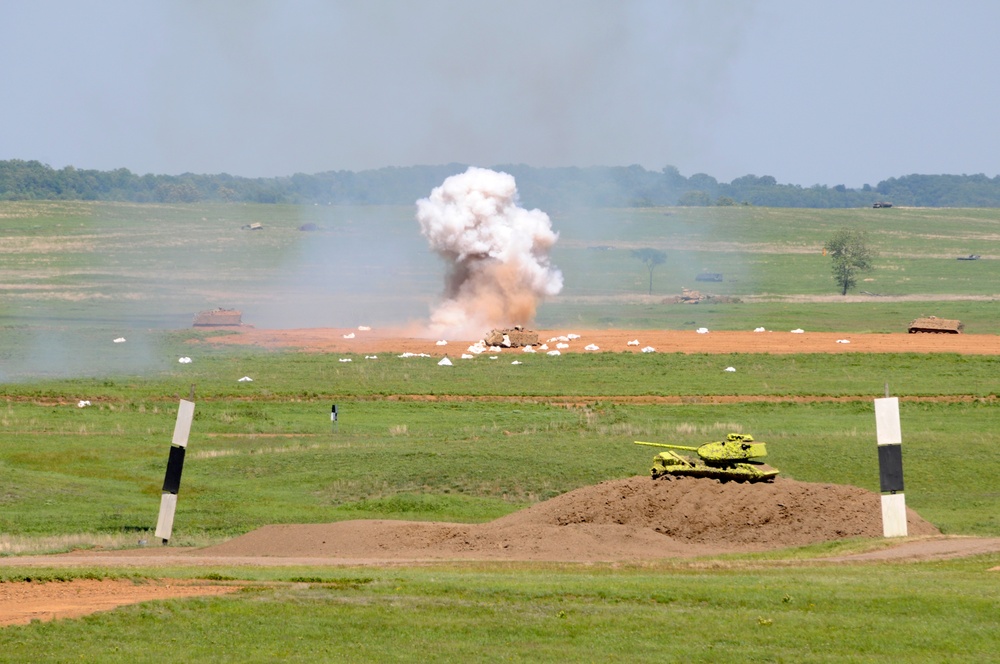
672, 447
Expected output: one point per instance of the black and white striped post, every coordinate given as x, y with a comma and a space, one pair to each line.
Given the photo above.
890, 466
175, 464
333, 418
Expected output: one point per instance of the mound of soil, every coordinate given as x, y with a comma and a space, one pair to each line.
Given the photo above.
630, 519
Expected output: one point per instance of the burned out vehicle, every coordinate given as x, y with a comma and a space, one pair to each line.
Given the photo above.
512, 337
935, 325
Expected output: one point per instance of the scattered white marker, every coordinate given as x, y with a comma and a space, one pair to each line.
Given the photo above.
553, 352
648, 349
730, 369
184, 360
466, 356
562, 346
441, 342
245, 379
83, 404
349, 336
445, 362
759, 329
572, 336
529, 349
798, 331
634, 342
591, 347
516, 362
493, 357
120, 340
345, 359
702, 330
371, 357
364, 328
843, 341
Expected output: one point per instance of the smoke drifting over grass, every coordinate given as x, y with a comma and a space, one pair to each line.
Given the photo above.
496, 251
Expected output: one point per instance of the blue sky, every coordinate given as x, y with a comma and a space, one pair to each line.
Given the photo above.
808, 91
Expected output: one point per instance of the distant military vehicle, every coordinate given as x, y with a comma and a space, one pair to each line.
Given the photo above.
512, 337
935, 325
881, 204
219, 318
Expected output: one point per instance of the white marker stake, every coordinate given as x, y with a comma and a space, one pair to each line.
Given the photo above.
185, 414
168, 500
894, 515
887, 430
889, 436
165, 524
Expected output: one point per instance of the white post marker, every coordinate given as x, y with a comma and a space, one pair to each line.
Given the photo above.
890, 466
165, 522
175, 464
182, 428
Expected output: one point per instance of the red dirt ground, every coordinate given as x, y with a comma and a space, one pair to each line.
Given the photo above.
20, 603
330, 340
631, 520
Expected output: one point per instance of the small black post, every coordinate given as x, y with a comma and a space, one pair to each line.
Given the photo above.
333, 418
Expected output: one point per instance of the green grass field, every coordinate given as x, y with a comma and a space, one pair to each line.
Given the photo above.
77, 275
456, 613
99, 468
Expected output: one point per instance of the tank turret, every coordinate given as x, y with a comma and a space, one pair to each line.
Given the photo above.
730, 459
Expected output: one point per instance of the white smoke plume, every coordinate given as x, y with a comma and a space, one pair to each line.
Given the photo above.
497, 253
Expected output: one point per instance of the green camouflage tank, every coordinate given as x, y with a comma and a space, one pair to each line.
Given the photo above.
731, 459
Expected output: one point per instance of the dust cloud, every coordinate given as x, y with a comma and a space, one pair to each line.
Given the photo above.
497, 253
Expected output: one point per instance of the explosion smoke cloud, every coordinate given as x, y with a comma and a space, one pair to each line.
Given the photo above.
497, 253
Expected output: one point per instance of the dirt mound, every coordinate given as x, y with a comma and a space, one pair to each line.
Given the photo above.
629, 519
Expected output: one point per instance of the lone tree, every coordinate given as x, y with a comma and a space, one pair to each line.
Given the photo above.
652, 258
851, 255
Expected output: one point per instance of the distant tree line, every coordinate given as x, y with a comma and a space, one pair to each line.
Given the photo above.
547, 188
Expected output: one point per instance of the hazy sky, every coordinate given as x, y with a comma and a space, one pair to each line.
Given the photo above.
809, 91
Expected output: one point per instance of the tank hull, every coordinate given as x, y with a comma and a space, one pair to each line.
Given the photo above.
935, 325
513, 337
671, 464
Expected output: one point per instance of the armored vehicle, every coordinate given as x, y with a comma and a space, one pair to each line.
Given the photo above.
731, 459
219, 318
512, 337
935, 325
